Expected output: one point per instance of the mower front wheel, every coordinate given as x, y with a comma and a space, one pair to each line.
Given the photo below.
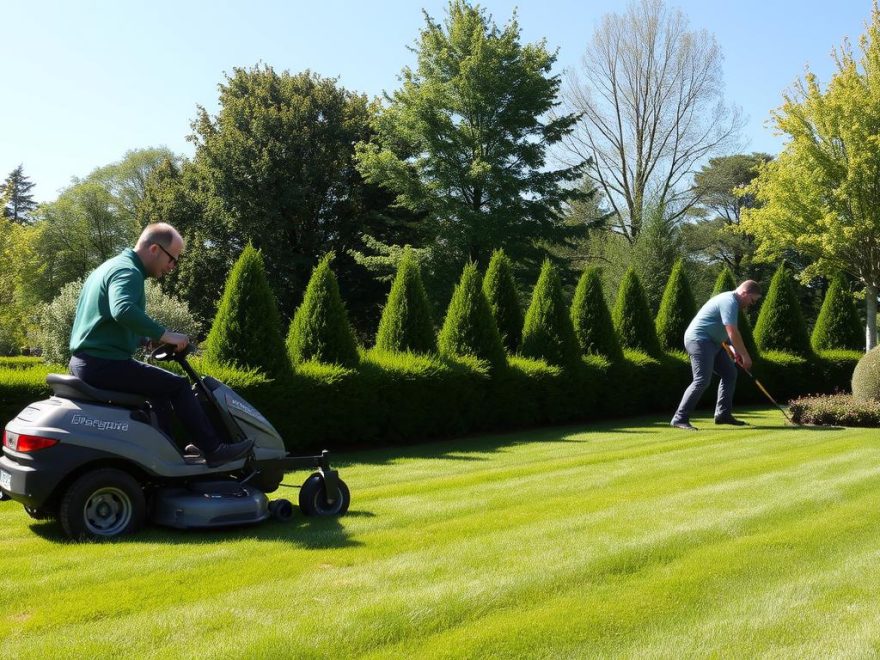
313, 498
102, 504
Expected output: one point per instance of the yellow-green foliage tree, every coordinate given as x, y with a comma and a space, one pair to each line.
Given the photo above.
820, 196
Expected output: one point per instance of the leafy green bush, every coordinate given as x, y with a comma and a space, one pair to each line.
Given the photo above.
632, 317
320, 329
677, 309
56, 318
247, 329
725, 282
866, 377
406, 320
548, 333
500, 290
781, 325
469, 328
835, 410
838, 324
592, 320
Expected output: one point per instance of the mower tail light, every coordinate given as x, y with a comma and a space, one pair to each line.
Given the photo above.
26, 443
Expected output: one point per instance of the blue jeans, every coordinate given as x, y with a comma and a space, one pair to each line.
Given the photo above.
164, 389
707, 356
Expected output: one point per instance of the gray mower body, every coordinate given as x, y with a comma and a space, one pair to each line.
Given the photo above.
100, 430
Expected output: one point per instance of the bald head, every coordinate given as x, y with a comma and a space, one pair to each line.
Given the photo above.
159, 248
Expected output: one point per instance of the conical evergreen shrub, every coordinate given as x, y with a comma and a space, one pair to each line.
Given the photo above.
726, 282
592, 320
632, 317
500, 290
780, 325
469, 328
838, 324
320, 329
677, 309
406, 320
547, 332
247, 327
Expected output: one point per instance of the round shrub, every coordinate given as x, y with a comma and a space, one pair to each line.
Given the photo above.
838, 324
677, 309
866, 377
781, 325
469, 328
592, 320
56, 318
632, 317
320, 329
406, 320
500, 290
548, 333
247, 328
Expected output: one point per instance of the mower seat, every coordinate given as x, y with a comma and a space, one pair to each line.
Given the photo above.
71, 387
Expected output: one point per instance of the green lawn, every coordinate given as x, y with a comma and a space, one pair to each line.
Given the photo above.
625, 538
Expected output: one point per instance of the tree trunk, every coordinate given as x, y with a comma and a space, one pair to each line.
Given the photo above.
871, 309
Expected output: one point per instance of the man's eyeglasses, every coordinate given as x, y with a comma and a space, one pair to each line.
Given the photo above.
172, 258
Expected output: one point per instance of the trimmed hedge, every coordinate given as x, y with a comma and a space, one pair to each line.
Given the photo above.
406, 323
548, 333
469, 328
838, 324
320, 329
781, 325
632, 317
500, 290
591, 319
677, 309
247, 328
393, 398
866, 377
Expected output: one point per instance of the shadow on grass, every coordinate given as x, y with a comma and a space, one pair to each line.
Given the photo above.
309, 533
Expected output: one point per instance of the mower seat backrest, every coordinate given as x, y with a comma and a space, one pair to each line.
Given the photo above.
71, 387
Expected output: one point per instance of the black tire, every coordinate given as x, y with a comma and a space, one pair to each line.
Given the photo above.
4, 496
37, 514
281, 510
313, 498
102, 504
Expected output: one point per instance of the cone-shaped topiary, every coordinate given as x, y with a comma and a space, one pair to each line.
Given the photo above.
247, 328
780, 325
469, 328
592, 320
320, 329
677, 309
406, 320
866, 377
838, 325
632, 317
547, 332
726, 282
500, 290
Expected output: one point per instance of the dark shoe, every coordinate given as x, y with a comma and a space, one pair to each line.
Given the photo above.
731, 420
684, 426
228, 453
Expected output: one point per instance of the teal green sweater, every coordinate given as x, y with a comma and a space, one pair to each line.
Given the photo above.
110, 318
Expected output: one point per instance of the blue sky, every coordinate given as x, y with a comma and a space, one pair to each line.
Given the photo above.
85, 81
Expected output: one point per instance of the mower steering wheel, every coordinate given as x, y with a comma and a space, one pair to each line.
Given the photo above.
168, 352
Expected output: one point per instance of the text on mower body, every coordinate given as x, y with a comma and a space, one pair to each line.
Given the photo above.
100, 424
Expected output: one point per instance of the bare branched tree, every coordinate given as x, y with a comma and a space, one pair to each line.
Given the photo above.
650, 94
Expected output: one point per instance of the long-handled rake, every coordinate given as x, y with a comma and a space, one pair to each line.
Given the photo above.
732, 355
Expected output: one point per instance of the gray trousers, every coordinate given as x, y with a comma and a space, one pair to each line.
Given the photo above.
706, 357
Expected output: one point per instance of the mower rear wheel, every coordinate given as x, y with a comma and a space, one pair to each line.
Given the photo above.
102, 504
313, 498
